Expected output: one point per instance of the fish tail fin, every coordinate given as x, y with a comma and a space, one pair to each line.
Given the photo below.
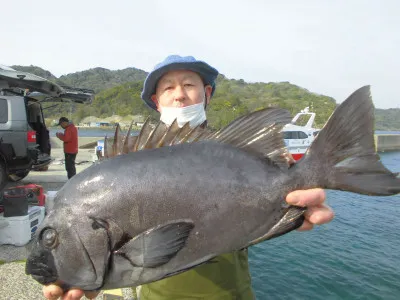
344, 151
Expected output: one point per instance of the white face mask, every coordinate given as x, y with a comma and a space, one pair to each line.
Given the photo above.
195, 114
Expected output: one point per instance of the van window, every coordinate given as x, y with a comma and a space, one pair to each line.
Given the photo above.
289, 135
3, 111
302, 135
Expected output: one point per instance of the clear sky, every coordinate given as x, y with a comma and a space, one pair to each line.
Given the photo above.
330, 47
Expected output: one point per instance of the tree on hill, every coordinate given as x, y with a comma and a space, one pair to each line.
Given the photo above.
239, 97
387, 119
100, 79
36, 71
118, 92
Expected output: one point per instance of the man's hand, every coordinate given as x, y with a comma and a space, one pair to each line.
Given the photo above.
317, 212
54, 292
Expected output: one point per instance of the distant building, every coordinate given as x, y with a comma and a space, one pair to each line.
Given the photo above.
100, 124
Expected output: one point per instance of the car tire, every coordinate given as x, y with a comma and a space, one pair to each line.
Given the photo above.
18, 176
3, 176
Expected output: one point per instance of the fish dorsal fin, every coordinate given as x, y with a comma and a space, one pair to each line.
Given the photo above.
169, 135
117, 146
149, 138
180, 134
156, 135
107, 151
126, 144
143, 136
117, 143
258, 132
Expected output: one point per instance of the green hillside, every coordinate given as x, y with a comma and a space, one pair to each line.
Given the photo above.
36, 70
387, 119
99, 79
118, 93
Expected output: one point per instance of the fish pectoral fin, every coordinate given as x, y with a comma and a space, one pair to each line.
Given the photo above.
157, 245
292, 219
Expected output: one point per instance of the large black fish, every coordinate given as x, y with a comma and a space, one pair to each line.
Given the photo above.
143, 216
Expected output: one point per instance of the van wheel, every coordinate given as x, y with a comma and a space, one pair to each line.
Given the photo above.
3, 176
18, 176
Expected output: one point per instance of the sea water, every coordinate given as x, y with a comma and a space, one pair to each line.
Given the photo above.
356, 256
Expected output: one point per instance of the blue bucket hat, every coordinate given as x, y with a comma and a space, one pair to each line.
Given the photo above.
176, 62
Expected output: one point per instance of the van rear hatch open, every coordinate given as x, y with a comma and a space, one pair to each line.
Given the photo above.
42, 89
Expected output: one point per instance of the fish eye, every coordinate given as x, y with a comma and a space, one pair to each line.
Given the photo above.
49, 238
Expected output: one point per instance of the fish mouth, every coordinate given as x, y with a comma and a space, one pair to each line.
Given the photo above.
42, 268
41, 273
45, 280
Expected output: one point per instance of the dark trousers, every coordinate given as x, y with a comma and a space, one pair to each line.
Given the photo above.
42, 137
70, 164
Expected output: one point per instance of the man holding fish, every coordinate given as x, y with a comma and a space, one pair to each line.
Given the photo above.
181, 88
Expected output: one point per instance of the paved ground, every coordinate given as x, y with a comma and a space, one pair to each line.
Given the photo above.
14, 284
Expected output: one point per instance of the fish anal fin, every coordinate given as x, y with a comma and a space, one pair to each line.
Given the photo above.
157, 245
292, 219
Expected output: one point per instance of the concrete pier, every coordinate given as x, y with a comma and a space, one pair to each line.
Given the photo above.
387, 142
83, 142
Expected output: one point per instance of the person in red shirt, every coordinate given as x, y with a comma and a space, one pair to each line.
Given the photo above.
70, 139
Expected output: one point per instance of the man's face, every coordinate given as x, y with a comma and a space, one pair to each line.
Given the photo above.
180, 88
64, 124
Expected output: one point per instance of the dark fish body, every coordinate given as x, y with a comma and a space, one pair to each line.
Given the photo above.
198, 182
143, 216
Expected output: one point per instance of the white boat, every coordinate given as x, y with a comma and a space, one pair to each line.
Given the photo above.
299, 138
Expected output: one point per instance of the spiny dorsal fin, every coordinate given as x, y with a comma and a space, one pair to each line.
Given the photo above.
156, 135
258, 132
143, 136
194, 135
116, 147
169, 135
148, 138
126, 140
106, 148
181, 134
